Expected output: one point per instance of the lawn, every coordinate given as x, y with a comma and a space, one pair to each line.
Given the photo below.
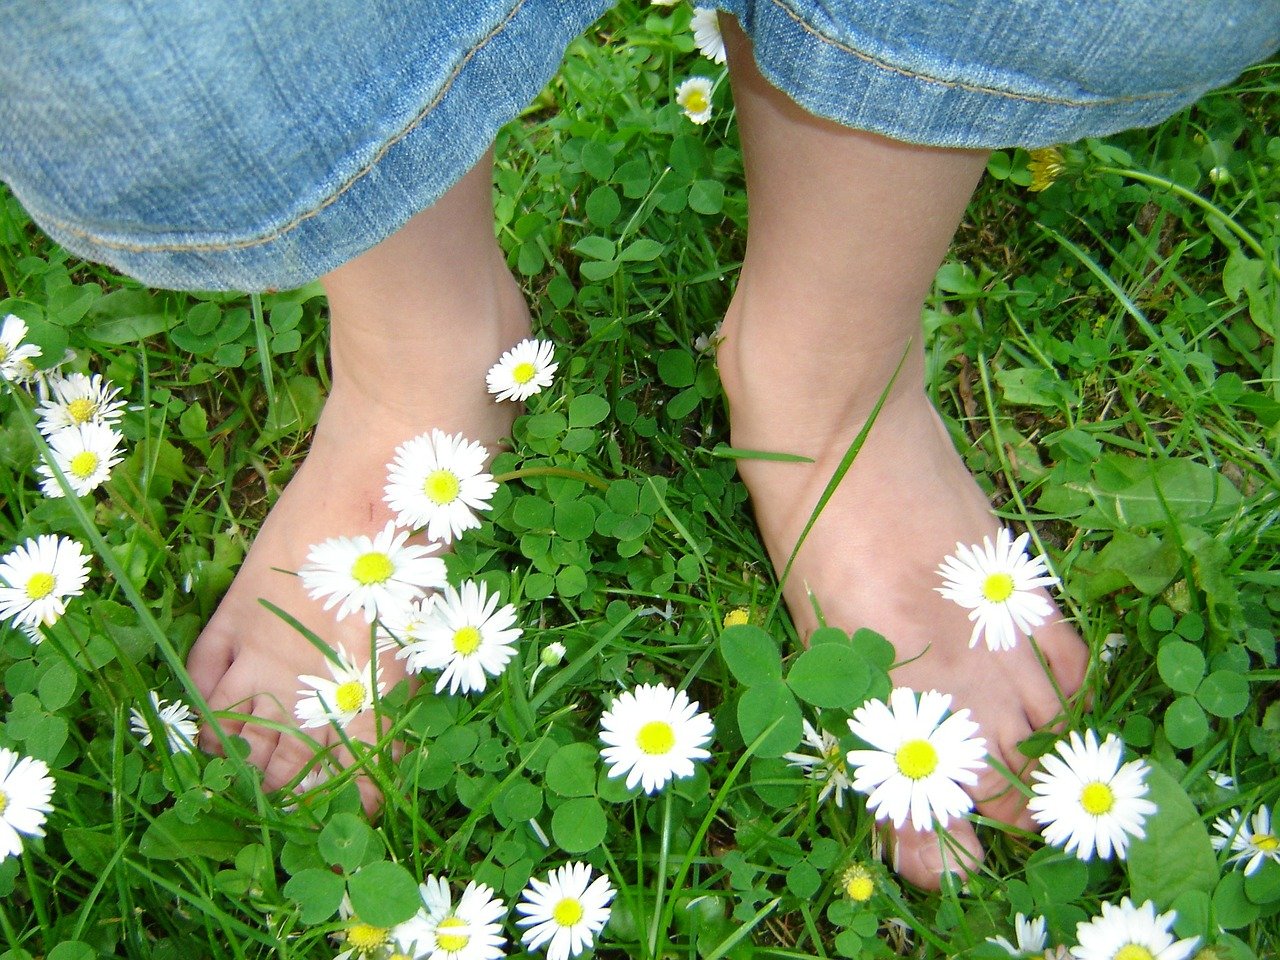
1106, 353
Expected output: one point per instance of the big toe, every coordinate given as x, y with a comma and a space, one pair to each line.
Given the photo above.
923, 856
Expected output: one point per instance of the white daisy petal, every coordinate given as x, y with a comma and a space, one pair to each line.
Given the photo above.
85, 454
437, 482
1087, 800
1127, 931
1252, 839
77, 399
1031, 937
564, 912
919, 760
466, 635
371, 574
25, 791
16, 356
525, 369
653, 733
341, 699
694, 98
998, 586
706, 34
177, 723
440, 931
826, 765
37, 577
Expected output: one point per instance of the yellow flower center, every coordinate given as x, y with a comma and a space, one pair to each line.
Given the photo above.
4, 801
4, 350
917, 759
1133, 951
40, 586
567, 912
737, 617
451, 942
1097, 798
365, 937
1266, 842
998, 587
81, 410
83, 464
441, 487
466, 641
695, 101
371, 568
522, 373
656, 738
835, 758
349, 697
859, 884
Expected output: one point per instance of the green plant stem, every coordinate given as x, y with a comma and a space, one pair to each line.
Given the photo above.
663, 852
564, 472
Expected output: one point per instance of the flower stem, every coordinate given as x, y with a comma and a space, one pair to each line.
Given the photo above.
662, 873
565, 472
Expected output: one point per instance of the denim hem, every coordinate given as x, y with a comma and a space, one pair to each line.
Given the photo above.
910, 100
410, 171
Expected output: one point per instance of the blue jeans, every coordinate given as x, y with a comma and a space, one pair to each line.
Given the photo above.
223, 144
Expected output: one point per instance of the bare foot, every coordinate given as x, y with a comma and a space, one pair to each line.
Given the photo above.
871, 558
416, 323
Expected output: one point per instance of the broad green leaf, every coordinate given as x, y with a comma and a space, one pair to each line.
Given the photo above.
344, 839
578, 825
603, 206
170, 838
587, 410
571, 772
384, 894
1176, 854
318, 893
763, 705
1224, 693
1181, 665
676, 368
830, 676
1185, 724
1232, 908
752, 655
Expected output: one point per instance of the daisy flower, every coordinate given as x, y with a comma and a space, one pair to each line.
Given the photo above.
706, 34
85, 454
361, 939
1127, 932
996, 585
565, 911
919, 759
467, 636
1030, 936
1224, 781
360, 573
653, 733
525, 369
37, 577
858, 883
470, 931
826, 764
1250, 839
177, 722
437, 481
78, 399
694, 97
341, 699
552, 654
1087, 800
16, 356
400, 626
25, 789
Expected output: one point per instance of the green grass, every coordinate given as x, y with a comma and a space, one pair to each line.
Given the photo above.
1106, 356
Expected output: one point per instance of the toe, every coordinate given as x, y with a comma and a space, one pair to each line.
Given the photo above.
293, 751
260, 730
922, 856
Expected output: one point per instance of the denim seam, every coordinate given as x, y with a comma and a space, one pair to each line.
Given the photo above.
327, 201
960, 84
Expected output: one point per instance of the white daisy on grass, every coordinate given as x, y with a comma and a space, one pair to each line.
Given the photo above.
470, 931
706, 34
1251, 839
177, 723
85, 454
565, 911
997, 584
25, 790
919, 758
16, 356
694, 97
78, 399
1127, 932
341, 699
361, 939
38, 577
1224, 781
466, 635
400, 626
1087, 800
371, 574
525, 369
1030, 934
653, 733
437, 481
826, 765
